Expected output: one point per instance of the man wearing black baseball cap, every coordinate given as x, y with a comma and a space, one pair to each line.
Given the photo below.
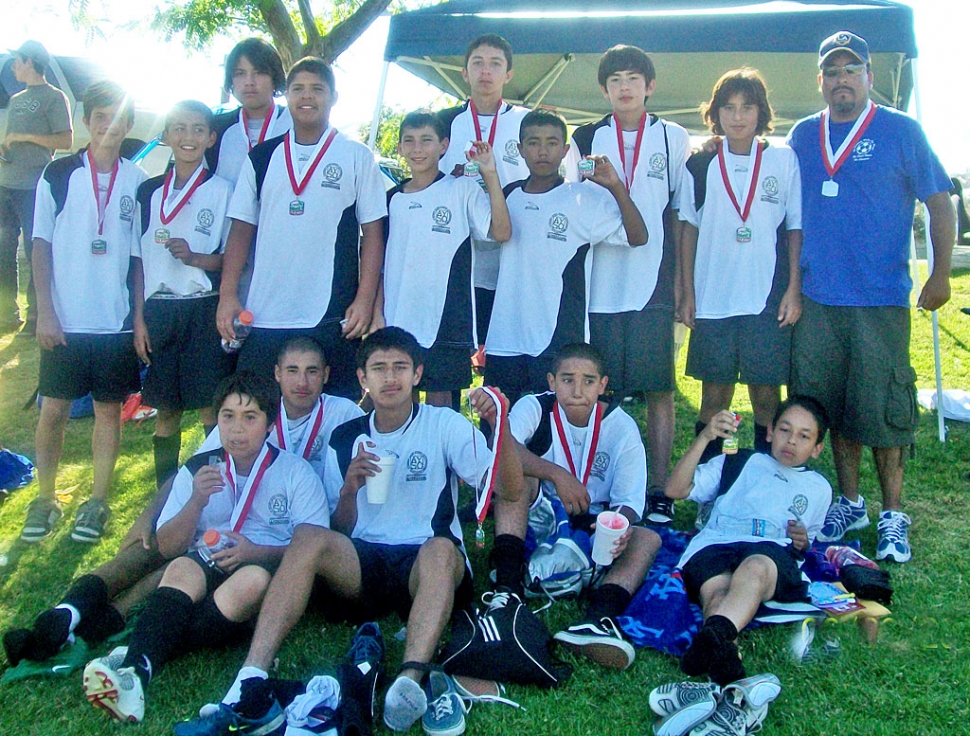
863, 167
38, 123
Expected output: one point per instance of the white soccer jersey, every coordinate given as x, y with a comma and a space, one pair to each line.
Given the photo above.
435, 448
760, 503
195, 214
737, 266
617, 461
510, 165
428, 260
234, 144
289, 493
306, 262
626, 280
89, 278
544, 275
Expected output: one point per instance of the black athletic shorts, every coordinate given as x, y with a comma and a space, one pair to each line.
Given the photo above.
638, 349
721, 558
517, 375
104, 365
750, 349
446, 368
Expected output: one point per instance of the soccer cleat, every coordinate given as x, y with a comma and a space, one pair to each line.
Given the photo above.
660, 509
893, 537
42, 514
674, 696
114, 688
90, 520
843, 517
445, 715
404, 704
225, 721
757, 690
600, 641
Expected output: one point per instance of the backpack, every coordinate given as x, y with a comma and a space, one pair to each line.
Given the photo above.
504, 641
561, 565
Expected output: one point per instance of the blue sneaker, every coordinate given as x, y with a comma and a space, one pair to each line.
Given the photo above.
893, 537
446, 711
225, 721
843, 517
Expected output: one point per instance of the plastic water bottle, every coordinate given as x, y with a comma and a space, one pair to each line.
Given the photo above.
841, 556
242, 326
214, 541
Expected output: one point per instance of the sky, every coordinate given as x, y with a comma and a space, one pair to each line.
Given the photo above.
159, 73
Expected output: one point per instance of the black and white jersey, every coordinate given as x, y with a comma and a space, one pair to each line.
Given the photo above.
197, 214
434, 448
236, 136
627, 280
289, 493
542, 297
617, 462
741, 266
306, 262
509, 164
428, 259
89, 277
759, 504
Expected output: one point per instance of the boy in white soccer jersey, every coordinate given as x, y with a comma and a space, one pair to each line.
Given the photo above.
405, 555
428, 257
588, 456
486, 117
741, 241
542, 298
84, 237
752, 547
182, 224
304, 198
251, 493
633, 292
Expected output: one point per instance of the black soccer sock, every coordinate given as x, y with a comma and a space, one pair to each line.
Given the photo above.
50, 632
607, 600
761, 443
713, 448
208, 627
166, 457
507, 558
88, 594
723, 627
160, 627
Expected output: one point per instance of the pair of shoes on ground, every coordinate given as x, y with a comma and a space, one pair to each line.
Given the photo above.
599, 641
705, 709
89, 521
438, 705
893, 535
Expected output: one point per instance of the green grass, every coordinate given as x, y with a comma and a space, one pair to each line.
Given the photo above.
914, 681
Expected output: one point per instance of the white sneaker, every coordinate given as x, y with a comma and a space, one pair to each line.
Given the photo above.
114, 688
894, 537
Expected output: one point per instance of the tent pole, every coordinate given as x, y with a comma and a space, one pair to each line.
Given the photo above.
941, 423
376, 120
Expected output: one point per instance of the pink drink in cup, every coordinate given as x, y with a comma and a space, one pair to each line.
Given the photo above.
610, 526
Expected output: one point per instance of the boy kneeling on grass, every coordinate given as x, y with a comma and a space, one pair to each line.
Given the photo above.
255, 494
752, 547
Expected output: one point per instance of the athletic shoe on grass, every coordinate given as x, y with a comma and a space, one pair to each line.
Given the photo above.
660, 509
843, 517
42, 514
90, 520
114, 688
894, 537
683, 705
600, 641
445, 715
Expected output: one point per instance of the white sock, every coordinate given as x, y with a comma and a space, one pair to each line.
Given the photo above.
235, 692
75, 615
858, 503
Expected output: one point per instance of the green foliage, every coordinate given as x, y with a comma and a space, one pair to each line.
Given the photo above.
387, 133
200, 21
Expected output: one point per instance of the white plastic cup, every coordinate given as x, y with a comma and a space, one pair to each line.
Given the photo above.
610, 526
378, 485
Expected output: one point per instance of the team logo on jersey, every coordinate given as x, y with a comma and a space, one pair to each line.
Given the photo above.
769, 187
558, 224
863, 150
601, 462
331, 176
127, 207
278, 507
417, 465
316, 446
441, 217
530, 205
658, 166
205, 219
511, 152
415, 206
799, 505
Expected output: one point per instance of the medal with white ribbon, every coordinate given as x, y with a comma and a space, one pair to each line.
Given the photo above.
483, 494
182, 197
743, 233
243, 497
300, 183
833, 161
628, 178
267, 121
581, 472
283, 439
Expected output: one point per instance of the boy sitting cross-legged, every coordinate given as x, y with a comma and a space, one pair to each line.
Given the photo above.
751, 549
251, 492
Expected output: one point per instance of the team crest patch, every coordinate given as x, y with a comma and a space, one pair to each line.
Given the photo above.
127, 207
442, 218
558, 224
511, 152
863, 150
601, 462
205, 220
417, 466
332, 174
769, 188
278, 508
658, 166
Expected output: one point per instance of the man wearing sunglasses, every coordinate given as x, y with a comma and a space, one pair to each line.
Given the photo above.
863, 167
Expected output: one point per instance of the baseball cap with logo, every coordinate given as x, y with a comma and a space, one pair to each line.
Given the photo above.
844, 41
34, 51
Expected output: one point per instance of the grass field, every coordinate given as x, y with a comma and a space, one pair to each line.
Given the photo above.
914, 681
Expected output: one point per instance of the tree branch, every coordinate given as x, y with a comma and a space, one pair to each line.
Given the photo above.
343, 34
281, 28
309, 24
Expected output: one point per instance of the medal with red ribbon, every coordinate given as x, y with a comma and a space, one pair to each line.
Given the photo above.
581, 472
243, 497
299, 184
628, 178
182, 197
486, 487
743, 233
833, 160
305, 447
98, 247
244, 119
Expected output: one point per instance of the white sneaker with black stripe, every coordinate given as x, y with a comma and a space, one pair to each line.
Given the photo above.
599, 641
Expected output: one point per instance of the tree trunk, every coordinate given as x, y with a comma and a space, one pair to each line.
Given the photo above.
343, 34
281, 28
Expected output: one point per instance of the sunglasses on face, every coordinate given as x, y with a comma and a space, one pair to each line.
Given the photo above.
850, 70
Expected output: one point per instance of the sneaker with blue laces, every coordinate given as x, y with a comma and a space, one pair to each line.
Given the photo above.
894, 537
445, 715
258, 713
843, 517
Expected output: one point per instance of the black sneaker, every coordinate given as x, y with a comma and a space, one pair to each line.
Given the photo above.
660, 509
358, 677
600, 641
